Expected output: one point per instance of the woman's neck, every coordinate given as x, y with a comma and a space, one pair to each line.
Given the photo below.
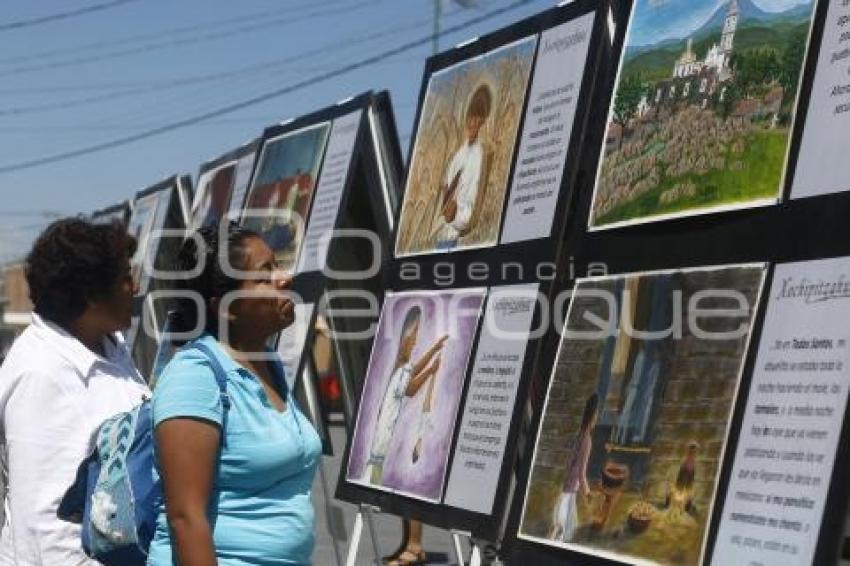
246, 341
91, 337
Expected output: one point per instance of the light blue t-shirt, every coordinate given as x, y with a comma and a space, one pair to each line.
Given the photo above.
260, 506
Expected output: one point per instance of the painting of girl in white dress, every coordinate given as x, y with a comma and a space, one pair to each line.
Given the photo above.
412, 390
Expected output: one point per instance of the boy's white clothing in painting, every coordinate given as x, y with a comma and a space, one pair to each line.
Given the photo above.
389, 413
54, 394
466, 163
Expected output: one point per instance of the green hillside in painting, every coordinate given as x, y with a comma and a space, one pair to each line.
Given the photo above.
701, 123
655, 64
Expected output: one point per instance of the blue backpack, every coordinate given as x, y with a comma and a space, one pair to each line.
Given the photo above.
114, 496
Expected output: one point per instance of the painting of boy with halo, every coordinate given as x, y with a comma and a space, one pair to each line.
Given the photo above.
463, 151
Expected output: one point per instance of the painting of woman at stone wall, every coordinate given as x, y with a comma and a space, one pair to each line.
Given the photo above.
637, 414
463, 151
703, 109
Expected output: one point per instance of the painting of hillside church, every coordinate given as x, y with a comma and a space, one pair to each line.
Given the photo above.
703, 108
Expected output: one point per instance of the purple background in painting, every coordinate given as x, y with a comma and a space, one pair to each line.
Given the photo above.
425, 478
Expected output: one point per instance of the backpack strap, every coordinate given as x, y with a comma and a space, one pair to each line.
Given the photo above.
220, 378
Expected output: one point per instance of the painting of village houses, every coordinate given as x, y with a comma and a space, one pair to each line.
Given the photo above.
703, 108
634, 428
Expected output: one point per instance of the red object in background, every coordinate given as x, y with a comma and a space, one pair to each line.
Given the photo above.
329, 388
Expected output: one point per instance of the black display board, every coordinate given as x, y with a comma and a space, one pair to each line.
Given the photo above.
791, 231
537, 260
160, 243
120, 212
361, 187
232, 195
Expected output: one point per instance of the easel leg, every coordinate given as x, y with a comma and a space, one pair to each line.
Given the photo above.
354, 543
475, 559
328, 497
376, 547
458, 549
357, 534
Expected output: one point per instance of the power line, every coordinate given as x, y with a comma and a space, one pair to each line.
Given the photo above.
263, 120
118, 89
176, 83
121, 121
180, 42
89, 86
159, 34
228, 109
343, 46
20, 24
39, 213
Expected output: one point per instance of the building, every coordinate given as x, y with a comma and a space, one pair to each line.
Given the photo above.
697, 80
15, 305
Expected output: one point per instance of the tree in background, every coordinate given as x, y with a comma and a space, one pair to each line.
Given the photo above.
626, 103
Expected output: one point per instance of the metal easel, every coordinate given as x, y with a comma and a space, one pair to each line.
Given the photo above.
311, 396
365, 513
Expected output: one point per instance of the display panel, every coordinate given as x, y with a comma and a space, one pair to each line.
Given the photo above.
146, 215
493, 383
212, 199
292, 340
703, 109
329, 192
282, 190
634, 429
462, 156
553, 101
413, 385
118, 212
822, 165
166, 348
783, 466
241, 179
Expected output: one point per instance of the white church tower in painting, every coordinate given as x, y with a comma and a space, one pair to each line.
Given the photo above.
727, 40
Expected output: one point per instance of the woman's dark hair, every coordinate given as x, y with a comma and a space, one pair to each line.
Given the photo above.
590, 408
212, 281
74, 262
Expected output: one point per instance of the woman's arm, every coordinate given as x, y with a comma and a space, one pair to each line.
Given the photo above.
187, 450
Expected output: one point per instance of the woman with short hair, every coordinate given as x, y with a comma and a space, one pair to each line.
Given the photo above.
236, 471
64, 376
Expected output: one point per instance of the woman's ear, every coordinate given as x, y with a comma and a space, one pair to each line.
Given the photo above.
214, 310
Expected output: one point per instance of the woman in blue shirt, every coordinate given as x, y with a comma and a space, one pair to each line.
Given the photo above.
237, 479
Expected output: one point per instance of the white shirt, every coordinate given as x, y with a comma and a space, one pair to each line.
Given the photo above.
389, 412
466, 161
54, 394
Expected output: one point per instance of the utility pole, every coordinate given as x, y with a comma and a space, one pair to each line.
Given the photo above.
438, 15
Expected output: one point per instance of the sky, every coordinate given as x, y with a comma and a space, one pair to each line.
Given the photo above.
658, 20
69, 83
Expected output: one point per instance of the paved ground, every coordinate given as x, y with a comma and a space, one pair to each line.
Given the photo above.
437, 541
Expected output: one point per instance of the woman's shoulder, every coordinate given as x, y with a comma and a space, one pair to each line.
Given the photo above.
189, 366
187, 387
30, 358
